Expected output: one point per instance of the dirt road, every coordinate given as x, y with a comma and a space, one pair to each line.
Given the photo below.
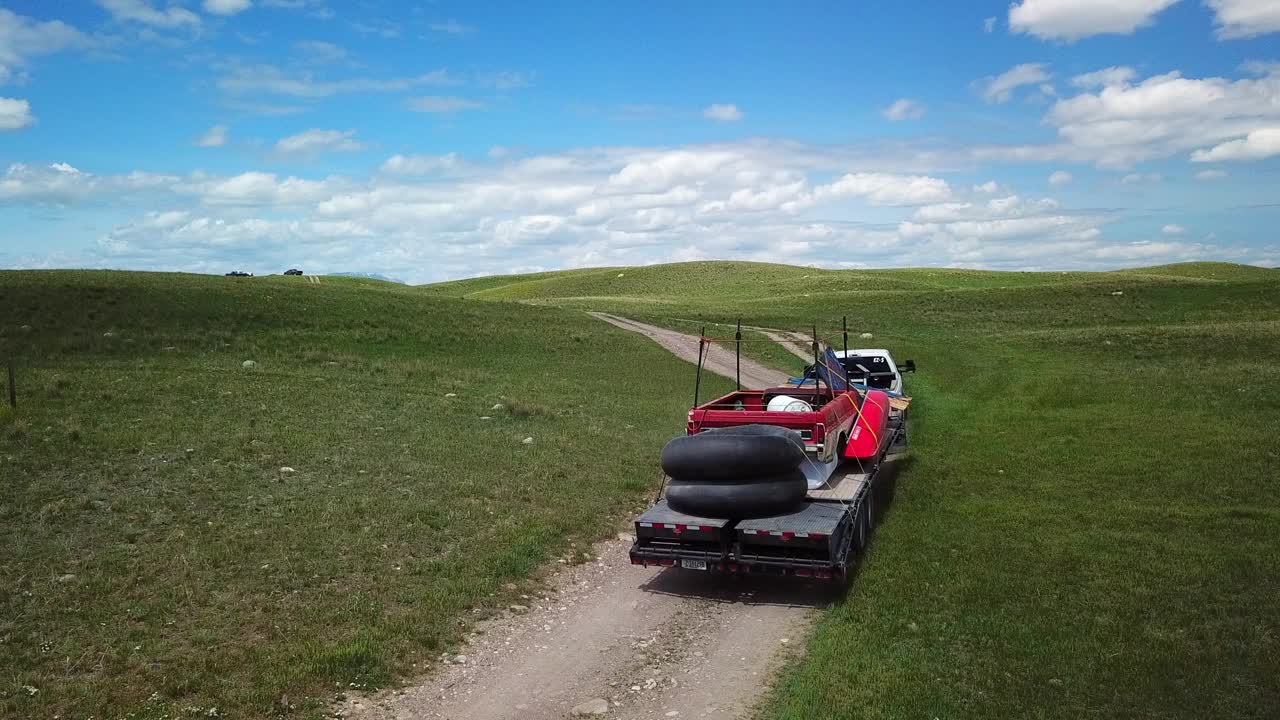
626, 642
719, 360
645, 643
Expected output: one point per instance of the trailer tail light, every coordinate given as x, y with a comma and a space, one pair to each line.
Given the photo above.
804, 572
731, 567
637, 561
788, 535
822, 574
819, 432
667, 563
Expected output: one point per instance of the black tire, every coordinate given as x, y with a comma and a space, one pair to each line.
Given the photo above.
737, 500
788, 476
733, 453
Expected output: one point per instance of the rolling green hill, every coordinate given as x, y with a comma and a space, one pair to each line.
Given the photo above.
1088, 526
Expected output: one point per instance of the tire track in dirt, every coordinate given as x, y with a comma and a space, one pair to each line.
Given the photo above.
719, 360
651, 643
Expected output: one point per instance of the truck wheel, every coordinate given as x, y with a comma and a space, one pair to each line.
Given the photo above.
860, 530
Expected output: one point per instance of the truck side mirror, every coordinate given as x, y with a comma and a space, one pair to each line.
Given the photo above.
908, 366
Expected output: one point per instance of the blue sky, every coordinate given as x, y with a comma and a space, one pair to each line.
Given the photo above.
441, 140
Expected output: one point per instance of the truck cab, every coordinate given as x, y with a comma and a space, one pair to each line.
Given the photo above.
872, 367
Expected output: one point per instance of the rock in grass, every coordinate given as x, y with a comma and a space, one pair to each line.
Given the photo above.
248, 364
594, 706
527, 441
108, 334
451, 394
498, 406
1118, 293
67, 578
286, 470
866, 336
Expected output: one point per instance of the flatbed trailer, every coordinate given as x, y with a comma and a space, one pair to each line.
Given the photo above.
819, 540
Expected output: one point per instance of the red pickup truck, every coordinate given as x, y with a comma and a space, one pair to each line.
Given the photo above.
848, 434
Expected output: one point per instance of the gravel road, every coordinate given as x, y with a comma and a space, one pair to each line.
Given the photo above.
648, 643
719, 360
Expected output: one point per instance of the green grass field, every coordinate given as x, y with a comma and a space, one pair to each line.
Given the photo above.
1089, 526
156, 561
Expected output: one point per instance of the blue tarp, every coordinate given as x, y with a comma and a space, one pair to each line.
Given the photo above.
832, 373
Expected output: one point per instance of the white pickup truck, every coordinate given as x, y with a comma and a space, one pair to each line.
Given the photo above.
873, 367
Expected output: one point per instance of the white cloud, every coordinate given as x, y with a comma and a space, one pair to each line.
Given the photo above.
315, 140
989, 25
1141, 178
999, 89
1210, 175
22, 38
215, 136
259, 189
1106, 77
722, 113
15, 114
987, 187
141, 11
1245, 18
227, 7
451, 27
63, 184
441, 104
904, 109
427, 217
1258, 144
318, 52
1070, 20
1123, 123
421, 164
1059, 177
271, 80
1172, 229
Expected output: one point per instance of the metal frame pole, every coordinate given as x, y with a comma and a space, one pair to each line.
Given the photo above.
13, 386
737, 356
844, 324
817, 373
697, 383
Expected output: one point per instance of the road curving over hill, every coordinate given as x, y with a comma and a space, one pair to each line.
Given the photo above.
719, 360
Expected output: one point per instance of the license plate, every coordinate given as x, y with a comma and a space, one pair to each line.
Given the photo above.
693, 564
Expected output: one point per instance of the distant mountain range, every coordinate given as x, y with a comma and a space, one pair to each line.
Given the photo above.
371, 276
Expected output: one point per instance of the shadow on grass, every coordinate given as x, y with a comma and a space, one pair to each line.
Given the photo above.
772, 590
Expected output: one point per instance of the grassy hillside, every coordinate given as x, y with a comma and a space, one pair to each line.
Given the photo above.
158, 562
1090, 524
678, 284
